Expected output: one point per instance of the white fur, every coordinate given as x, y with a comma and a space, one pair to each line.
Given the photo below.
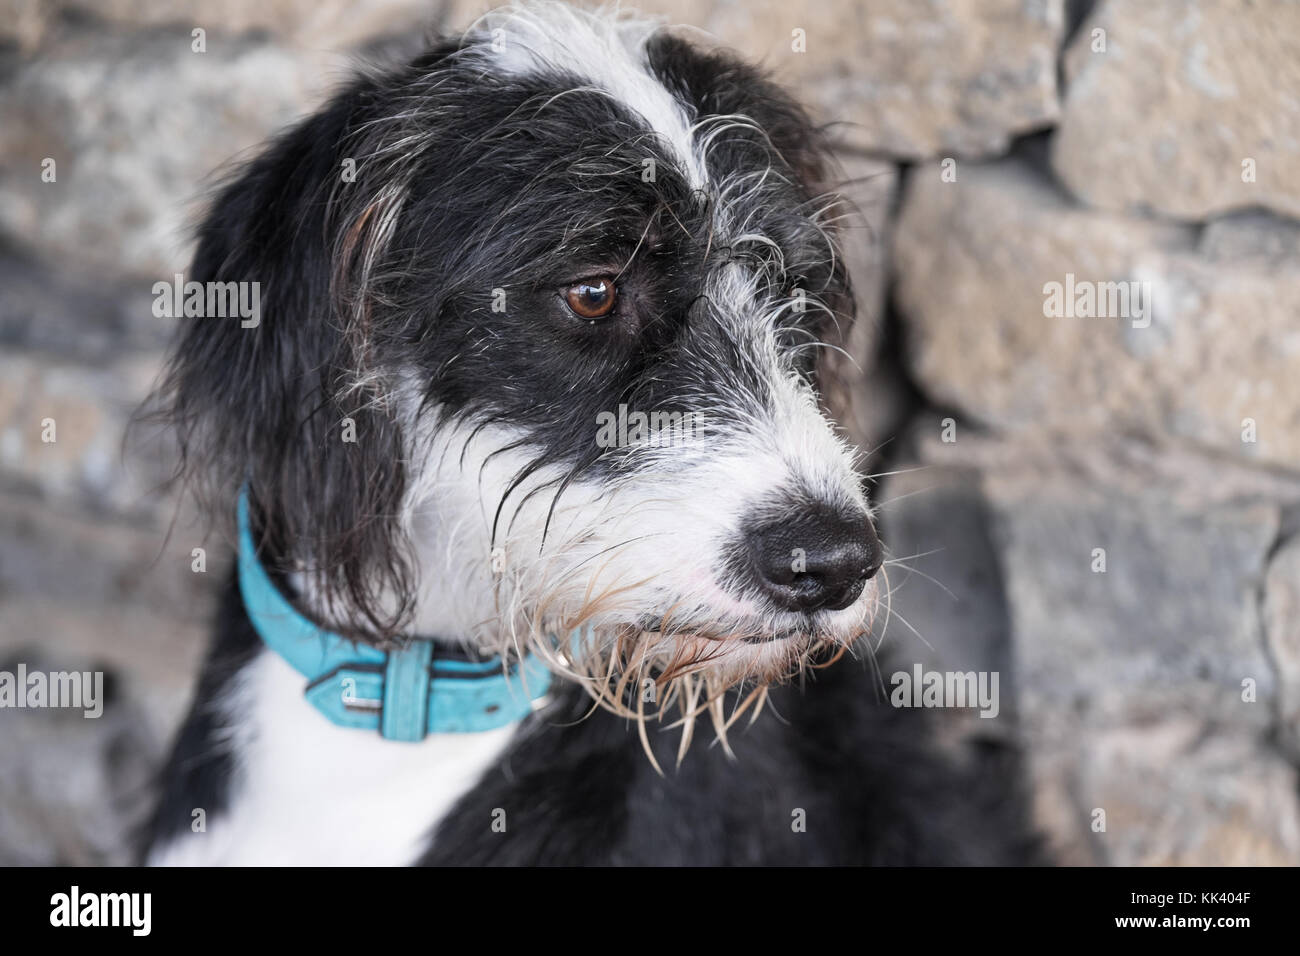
603, 47
309, 793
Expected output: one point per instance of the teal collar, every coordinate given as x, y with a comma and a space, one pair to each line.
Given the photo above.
406, 693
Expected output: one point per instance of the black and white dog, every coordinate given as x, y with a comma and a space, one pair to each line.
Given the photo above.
533, 405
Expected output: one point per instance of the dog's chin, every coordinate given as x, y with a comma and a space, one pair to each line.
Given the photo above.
730, 661
654, 662
743, 653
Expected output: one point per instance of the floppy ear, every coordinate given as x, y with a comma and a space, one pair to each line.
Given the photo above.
289, 406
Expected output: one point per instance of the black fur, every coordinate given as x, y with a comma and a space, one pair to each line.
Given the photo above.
873, 791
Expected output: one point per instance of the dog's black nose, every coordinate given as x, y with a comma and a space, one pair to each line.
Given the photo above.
816, 558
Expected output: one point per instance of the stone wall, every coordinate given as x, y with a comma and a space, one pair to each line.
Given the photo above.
1104, 509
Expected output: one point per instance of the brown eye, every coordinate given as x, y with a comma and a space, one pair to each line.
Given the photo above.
591, 298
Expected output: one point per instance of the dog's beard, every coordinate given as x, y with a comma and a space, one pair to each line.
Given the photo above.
665, 674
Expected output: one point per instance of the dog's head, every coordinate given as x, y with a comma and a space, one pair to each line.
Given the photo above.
541, 320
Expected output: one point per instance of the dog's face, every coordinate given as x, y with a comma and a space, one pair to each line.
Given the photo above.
572, 305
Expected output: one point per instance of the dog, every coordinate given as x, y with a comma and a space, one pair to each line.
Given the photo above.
535, 481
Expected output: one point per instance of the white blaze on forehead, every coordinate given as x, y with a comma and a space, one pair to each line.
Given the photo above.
605, 48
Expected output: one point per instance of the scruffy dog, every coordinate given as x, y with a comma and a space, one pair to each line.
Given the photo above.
534, 484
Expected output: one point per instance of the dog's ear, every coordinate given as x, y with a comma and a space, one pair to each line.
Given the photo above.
285, 401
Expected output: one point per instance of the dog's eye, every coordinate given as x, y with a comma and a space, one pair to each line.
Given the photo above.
591, 299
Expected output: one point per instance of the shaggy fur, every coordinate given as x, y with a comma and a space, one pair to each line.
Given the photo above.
420, 307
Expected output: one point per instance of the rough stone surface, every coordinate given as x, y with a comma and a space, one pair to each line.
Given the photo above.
93, 594
1175, 795
1220, 345
1184, 92
1095, 641
307, 23
73, 318
133, 156
121, 592
85, 410
73, 787
1150, 690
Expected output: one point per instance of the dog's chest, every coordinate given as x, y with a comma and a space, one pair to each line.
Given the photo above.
308, 792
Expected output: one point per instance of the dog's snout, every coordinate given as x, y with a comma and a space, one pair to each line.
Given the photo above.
815, 559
